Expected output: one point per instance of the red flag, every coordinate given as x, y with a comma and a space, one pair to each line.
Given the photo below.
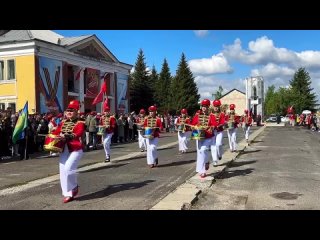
98, 99
106, 103
104, 87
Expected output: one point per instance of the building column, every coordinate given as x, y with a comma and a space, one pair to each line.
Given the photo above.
81, 90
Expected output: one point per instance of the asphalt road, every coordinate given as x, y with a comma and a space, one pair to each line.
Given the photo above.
280, 170
126, 183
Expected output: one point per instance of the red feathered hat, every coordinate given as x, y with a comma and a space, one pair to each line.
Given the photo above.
142, 111
232, 106
205, 102
216, 103
152, 108
184, 111
74, 104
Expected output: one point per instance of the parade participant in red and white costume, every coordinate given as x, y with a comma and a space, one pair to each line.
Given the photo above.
140, 123
184, 132
109, 122
246, 124
216, 144
205, 121
233, 121
152, 121
71, 129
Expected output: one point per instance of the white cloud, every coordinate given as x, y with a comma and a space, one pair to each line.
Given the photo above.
201, 33
216, 64
207, 85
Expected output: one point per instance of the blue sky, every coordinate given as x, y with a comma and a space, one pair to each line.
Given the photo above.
220, 57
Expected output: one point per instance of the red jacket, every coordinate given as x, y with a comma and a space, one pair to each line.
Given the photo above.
186, 120
72, 127
247, 119
219, 120
110, 122
202, 119
236, 119
149, 122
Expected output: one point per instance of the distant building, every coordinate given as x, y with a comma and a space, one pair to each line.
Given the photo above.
49, 70
255, 95
236, 97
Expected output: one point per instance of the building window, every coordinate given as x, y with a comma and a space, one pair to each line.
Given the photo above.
13, 107
11, 70
1, 70
2, 106
7, 70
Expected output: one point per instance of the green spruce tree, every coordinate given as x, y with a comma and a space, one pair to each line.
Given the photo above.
301, 91
162, 92
184, 91
153, 82
141, 94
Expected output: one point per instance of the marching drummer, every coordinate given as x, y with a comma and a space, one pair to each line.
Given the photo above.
203, 120
246, 121
216, 144
70, 129
140, 123
184, 131
233, 120
109, 122
152, 125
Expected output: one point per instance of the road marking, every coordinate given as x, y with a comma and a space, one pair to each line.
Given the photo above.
46, 180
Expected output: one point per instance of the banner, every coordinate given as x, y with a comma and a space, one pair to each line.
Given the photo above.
92, 86
51, 85
122, 85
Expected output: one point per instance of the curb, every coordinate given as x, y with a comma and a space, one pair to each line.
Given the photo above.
184, 196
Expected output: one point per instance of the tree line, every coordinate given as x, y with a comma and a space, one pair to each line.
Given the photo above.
299, 94
169, 93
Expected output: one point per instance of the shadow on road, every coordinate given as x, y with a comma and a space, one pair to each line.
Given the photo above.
247, 152
238, 164
166, 148
256, 141
176, 163
235, 173
105, 167
113, 189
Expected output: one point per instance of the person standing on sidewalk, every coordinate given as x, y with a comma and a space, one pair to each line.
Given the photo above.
110, 123
71, 129
203, 121
232, 120
152, 123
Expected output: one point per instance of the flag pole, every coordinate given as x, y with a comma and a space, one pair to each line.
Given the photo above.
25, 149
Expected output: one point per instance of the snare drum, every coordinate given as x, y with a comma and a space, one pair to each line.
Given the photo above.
198, 134
148, 132
101, 130
54, 143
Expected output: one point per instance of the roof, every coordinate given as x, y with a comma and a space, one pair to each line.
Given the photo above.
231, 91
23, 35
71, 40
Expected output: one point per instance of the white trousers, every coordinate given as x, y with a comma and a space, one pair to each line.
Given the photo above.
142, 141
246, 130
232, 136
87, 138
202, 154
183, 139
216, 145
152, 153
68, 170
107, 142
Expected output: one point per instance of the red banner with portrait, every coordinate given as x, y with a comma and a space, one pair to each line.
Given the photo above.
92, 86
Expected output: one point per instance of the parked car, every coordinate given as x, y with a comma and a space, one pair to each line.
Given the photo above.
272, 118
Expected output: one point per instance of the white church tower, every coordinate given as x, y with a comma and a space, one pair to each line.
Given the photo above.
255, 95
